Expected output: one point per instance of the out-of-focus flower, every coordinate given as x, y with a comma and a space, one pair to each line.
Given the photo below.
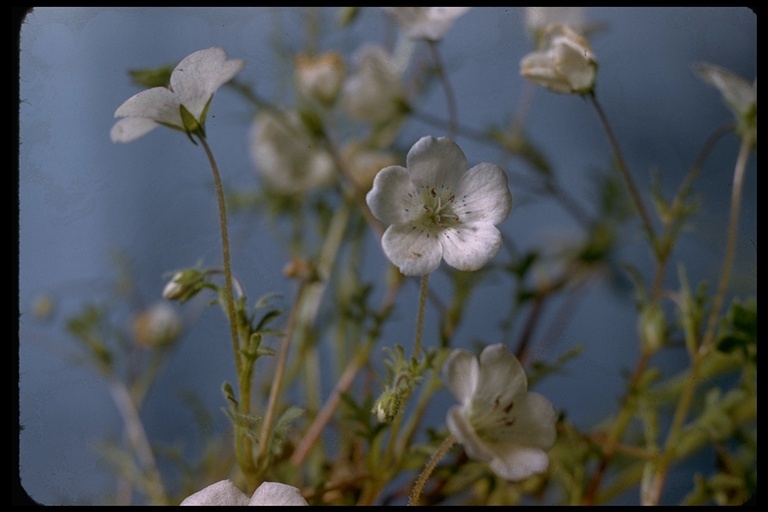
287, 156
374, 92
157, 326
181, 106
430, 23
739, 95
499, 421
566, 63
320, 77
537, 19
363, 163
438, 210
225, 493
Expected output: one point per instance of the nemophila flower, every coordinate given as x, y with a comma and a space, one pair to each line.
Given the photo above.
430, 23
225, 493
374, 92
437, 209
499, 421
182, 105
320, 77
739, 95
286, 155
565, 64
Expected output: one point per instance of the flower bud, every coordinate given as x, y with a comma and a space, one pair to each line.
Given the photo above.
652, 326
184, 285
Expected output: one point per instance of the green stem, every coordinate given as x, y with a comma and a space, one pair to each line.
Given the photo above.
681, 412
450, 98
243, 442
139, 441
420, 317
418, 486
646, 219
277, 384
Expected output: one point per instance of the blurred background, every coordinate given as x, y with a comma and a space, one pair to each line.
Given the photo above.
85, 203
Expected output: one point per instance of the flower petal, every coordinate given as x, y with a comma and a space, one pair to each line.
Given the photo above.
429, 23
460, 373
483, 195
158, 104
470, 246
502, 378
462, 429
131, 128
277, 494
222, 493
535, 422
413, 250
199, 75
436, 163
739, 94
515, 462
393, 198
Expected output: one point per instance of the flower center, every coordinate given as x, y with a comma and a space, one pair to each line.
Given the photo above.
438, 206
490, 423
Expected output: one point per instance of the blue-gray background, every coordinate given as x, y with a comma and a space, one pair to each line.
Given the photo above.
82, 197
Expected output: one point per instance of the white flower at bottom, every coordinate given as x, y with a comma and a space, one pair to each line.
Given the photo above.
225, 493
437, 209
499, 421
193, 83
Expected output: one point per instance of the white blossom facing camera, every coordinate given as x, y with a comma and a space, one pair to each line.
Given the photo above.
430, 23
566, 63
184, 104
499, 421
437, 209
225, 493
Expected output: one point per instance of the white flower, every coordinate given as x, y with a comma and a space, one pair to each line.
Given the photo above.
374, 93
286, 156
739, 95
224, 493
363, 162
565, 65
499, 421
184, 104
156, 326
437, 209
429, 23
320, 77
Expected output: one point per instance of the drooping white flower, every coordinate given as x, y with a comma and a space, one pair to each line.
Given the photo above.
739, 95
184, 104
320, 77
499, 421
437, 209
286, 156
374, 92
566, 63
430, 23
225, 493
